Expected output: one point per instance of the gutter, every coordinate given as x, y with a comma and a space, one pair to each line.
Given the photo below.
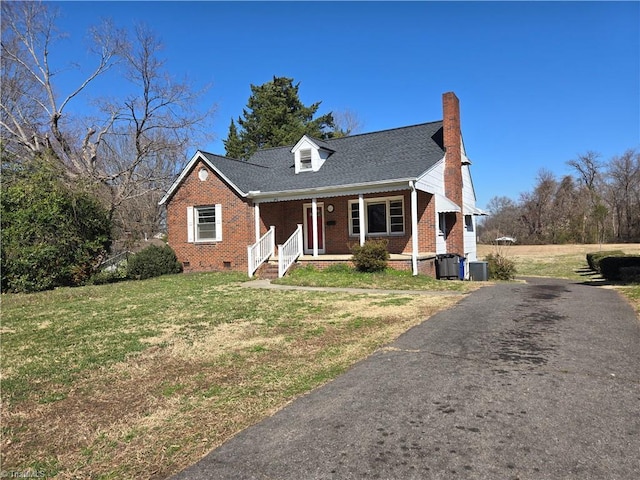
275, 196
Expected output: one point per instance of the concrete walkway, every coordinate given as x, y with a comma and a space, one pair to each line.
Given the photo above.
517, 381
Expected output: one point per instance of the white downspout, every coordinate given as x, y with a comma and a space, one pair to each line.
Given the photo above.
361, 218
414, 228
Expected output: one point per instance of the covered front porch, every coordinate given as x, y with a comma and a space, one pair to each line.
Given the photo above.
322, 230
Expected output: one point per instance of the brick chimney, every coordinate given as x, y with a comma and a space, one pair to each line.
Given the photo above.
453, 170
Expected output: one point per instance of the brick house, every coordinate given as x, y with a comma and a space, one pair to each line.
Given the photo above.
312, 201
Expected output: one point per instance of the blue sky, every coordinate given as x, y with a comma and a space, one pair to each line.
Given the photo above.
539, 82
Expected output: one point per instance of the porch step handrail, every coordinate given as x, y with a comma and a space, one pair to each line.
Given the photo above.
289, 251
260, 251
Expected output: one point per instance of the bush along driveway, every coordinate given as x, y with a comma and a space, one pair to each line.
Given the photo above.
529, 380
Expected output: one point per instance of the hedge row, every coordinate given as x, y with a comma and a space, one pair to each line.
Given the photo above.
615, 265
593, 259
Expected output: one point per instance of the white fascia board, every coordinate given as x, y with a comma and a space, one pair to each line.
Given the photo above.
185, 171
304, 138
333, 191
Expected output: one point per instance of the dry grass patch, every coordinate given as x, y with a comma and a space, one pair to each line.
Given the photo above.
560, 261
200, 360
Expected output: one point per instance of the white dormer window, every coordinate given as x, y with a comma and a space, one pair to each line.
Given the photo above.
305, 159
309, 155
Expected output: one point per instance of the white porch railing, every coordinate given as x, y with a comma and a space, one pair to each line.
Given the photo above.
289, 251
260, 251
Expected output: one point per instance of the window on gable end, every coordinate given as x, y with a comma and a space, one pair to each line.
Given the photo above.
305, 159
206, 224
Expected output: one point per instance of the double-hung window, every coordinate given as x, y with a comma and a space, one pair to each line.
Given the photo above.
204, 224
382, 216
305, 159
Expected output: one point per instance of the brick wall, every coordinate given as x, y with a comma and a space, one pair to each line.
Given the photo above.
237, 224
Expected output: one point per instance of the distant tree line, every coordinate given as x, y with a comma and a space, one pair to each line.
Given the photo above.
599, 203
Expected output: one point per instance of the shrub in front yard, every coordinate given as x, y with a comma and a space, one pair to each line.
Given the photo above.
593, 258
113, 275
153, 261
630, 274
52, 235
500, 267
373, 256
620, 268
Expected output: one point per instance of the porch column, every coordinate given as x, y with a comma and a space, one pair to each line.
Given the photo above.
256, 216
361, 218
414, 228
314, 221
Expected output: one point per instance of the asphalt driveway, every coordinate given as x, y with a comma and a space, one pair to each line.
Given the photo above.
518, 381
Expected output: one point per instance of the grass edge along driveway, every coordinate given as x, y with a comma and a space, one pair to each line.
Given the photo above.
141, 379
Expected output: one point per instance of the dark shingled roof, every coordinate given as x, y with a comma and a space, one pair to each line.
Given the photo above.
397, 154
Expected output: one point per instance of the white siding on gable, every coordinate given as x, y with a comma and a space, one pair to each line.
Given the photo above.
433, 180
468, 195
469, 200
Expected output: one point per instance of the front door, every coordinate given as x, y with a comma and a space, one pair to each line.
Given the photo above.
308, 227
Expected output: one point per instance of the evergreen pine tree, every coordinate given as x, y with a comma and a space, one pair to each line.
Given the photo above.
275, 116
233, 145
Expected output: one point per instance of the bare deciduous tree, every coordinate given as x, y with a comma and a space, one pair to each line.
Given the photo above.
134, 147
347, 122
33, 110
624, 193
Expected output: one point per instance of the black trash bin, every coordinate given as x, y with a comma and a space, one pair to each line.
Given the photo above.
447, 265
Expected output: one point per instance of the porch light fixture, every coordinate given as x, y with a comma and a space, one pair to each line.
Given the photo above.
330, 208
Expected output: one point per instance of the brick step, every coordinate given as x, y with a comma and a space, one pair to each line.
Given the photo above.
268, 270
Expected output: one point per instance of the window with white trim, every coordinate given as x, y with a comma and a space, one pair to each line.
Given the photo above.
204, 224
468, 223
382, 216
305, 159
442, 224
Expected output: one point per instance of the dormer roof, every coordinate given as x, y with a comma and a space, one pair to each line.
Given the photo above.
319, 144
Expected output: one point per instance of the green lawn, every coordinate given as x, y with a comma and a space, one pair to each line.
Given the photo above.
345, 276
140, 379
